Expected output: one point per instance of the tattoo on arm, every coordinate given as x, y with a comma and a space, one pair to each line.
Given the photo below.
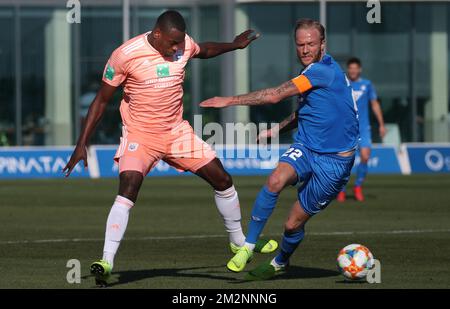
266, 96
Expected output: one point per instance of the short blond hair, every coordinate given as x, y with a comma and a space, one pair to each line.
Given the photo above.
307, 23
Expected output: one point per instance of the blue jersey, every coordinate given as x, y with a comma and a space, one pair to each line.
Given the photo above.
364, 93
327, 113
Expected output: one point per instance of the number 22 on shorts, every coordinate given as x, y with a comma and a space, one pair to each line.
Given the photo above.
293, 153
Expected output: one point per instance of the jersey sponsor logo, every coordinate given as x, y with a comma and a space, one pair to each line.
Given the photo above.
162, 70
109, 73
162, 82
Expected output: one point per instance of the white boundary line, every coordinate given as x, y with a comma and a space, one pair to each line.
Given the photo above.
64, 240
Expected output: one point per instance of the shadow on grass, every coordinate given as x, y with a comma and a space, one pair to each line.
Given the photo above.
351, 198
128, 276
211, 272
353, 282
298, 272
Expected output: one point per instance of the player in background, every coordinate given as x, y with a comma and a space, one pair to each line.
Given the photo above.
365, 95
322, 156
151, 69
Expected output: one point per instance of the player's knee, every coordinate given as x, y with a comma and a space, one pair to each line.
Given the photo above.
365, 155
130, 183
130, 192
275, 184
291, 227
364, 159
223, 182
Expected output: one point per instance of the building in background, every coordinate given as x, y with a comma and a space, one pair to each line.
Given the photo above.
47, 64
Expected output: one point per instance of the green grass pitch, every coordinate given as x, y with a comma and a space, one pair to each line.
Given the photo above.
176, 239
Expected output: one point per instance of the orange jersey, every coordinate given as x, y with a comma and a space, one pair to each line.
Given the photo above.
153, 84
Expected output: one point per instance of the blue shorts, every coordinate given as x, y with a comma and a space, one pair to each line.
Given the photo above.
320, 177
366, 137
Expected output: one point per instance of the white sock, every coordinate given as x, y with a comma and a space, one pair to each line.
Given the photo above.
227, 202
115, 227
276, 265
250, 246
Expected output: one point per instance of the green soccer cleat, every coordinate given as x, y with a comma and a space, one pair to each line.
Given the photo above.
261, 246
265, 271
102, 271
241, 258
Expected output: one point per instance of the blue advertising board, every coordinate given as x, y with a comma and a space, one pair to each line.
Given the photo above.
383, 160
47, 162
37, 162
429, 158
237, 161
109, 168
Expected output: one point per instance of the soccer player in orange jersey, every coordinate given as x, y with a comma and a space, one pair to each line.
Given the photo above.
151, 69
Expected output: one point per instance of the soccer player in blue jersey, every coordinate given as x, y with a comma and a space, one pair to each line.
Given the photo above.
322, 156
365, 95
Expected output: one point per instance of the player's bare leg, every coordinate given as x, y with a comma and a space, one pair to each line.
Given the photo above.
361, 173
227, 202
130, 183
294, 231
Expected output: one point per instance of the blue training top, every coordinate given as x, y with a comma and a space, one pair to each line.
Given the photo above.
327, 113
364, 93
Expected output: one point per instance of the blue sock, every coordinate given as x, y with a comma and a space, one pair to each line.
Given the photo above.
262, 209
361, 173
289, 243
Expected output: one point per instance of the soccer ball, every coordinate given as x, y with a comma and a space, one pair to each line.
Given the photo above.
355, 261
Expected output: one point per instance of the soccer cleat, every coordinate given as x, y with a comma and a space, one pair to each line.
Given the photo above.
102, 271
265, 246
240, 259
358, 193
261, 246
265, 271
341, 197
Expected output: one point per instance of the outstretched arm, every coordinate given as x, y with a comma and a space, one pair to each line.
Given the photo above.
260, 97
213, 49
376, 108
95, 113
